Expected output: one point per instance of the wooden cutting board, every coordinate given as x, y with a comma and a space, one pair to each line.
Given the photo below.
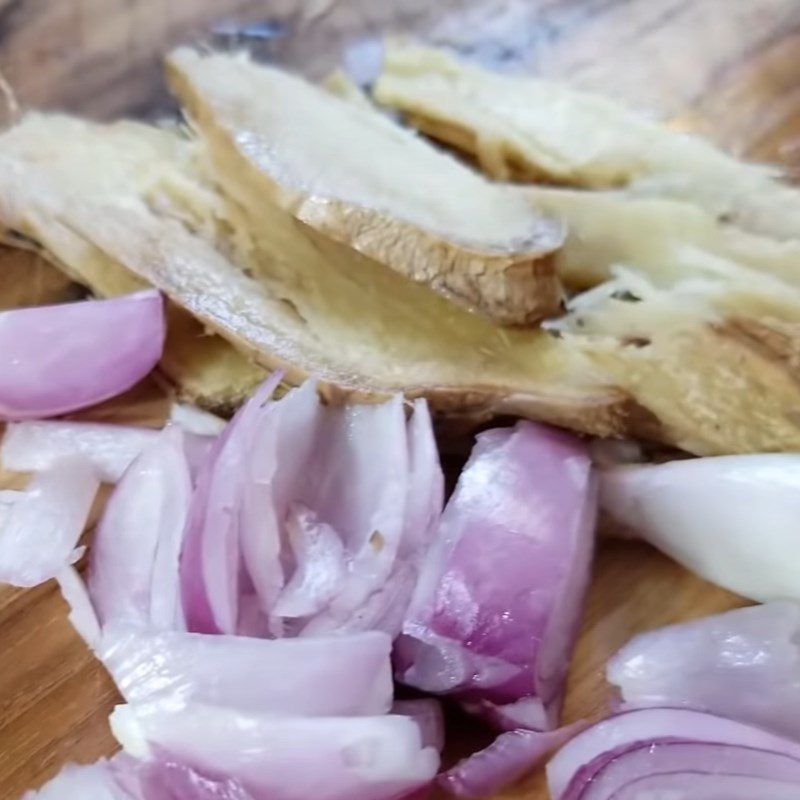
727, 68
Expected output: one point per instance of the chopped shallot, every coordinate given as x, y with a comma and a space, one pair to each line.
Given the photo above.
280, 757
743, 664
134, 558
497, 605
55, 359
310, 519
40, 527
326, 676
35, 445
667, 752
730, 519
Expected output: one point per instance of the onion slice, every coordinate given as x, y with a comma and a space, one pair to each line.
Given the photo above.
40, 527
743, 664
134, 561
497, 605
55, 359
212, 555
283, 758
327, 676
507, 759
666, 768
579, 765
730, 519
310, 519
35, 445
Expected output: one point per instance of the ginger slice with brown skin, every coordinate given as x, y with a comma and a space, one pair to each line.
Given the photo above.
529, 129
363, 181
288, 296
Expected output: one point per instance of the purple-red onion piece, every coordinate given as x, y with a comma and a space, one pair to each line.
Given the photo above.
579, 766
670, 768
743, 664
320, 565
279, 757
356, 481
730, 519
36, 445
55, 359
40, 527
497, 606
507, 759
328, 676
310, 519
134, 559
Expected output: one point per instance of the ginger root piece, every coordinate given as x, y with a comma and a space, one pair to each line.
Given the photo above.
289, 296
531, 129
27, 279
102, 162
710, 377
665, 239
368, 183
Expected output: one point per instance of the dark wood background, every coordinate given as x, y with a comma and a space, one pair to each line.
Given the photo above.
727, 68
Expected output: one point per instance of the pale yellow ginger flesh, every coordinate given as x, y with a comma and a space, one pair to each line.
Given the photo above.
531, 129
368, 183
649, 353
664, 239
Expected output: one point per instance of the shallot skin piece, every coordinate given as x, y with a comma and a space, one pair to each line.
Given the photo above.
55, 359
743, 664
497, 606
730, 519
581, 759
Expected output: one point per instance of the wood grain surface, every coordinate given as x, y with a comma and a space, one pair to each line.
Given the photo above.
727, 68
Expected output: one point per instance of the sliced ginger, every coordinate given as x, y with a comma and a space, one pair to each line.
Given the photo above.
531, 129
363, 181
